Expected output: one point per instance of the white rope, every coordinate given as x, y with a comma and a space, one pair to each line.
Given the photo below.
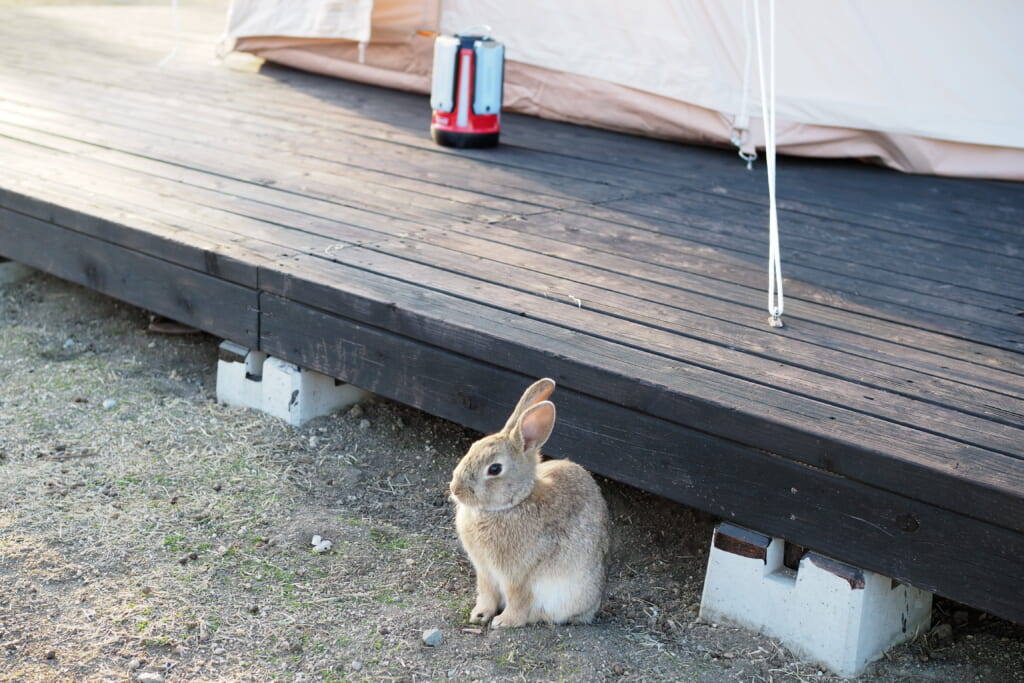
775, 302
177, 36
741, 122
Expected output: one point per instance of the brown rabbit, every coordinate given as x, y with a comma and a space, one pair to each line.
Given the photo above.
536, 532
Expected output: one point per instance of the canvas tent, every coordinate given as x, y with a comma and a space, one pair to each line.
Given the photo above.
923, 87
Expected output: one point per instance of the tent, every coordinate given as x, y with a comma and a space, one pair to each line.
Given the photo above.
932, 88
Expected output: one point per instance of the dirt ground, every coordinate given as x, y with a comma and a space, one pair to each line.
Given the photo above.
149, 534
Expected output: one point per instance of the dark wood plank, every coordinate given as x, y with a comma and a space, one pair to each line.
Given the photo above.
949, 314
421, 169
614, 274
188, 296
937, 550
813, 281
929, 467
963, 258
613, 271
217, 258
500, 267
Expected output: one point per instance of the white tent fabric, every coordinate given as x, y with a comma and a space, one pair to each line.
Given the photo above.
950, 70
925, 87
349, 19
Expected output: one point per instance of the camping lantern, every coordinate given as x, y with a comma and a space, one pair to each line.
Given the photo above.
465, 93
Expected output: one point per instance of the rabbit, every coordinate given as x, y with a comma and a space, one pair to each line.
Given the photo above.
536, 532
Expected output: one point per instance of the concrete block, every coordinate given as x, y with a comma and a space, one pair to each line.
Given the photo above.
251, 379
825, 611
297, 395
12, 271
239, 376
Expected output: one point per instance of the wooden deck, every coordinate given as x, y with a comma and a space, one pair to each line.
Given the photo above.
314, 219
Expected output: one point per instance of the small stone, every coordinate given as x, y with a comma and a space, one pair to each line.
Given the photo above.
314, 442
617, 669
356, 665
356, 411
305, 459
51, 654
364, 424
109, 403
69, 343
218, 651
217, 487
254, 609
135, 664
149, 677
432, 637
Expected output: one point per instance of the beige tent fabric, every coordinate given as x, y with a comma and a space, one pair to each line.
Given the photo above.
945, 69
933, 90
557, 95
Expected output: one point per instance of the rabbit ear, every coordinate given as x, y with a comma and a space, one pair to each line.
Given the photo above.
534, 427
535, 393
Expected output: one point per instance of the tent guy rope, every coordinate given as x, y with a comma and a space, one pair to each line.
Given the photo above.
775, 300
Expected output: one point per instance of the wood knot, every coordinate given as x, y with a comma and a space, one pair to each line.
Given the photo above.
908, 523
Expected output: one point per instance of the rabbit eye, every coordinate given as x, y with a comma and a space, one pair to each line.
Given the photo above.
494, 470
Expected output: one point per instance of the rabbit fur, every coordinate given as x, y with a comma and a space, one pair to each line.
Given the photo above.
535, 531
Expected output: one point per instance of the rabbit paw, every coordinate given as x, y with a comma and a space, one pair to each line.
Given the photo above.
482, 613
506, 620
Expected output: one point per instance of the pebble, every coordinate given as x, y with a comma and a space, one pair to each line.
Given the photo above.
617, 669
109, 403
364, 424
314, 442
356, 411
432, 637
149, 677
69, 343
321, 545
356, 665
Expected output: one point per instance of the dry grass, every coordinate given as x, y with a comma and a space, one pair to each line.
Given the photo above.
170, 536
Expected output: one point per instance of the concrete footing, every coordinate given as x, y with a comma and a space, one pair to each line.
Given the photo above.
251, 379
12, 271
822, 610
